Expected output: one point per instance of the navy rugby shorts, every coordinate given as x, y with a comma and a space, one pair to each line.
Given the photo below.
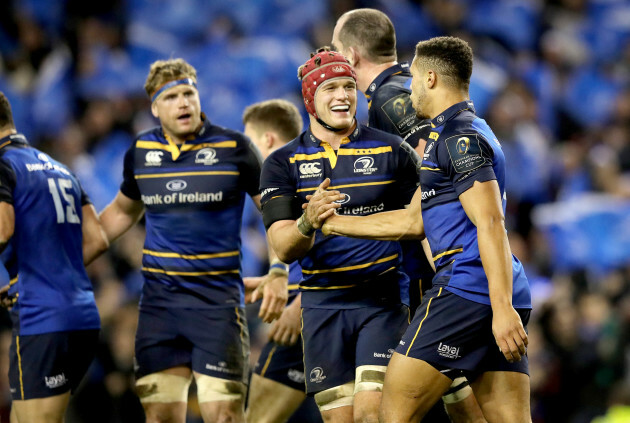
451, 332
283, 364
50, 364
337, 341
214, 342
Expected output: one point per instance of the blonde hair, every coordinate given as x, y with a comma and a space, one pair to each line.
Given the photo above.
164, 71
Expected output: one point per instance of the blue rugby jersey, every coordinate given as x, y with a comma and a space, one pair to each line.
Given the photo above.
376, 173
44, 256
462, 149
389, 105
193, 195
390, 110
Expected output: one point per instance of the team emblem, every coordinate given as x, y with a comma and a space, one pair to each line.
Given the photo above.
206, 156
463, 144
153, 158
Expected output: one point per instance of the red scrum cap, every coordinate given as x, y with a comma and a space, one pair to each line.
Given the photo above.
321, 67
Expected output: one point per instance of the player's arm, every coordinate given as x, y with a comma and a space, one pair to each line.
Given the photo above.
482, 204
120, 215
7, 223
95, 240
292, 239
394, 225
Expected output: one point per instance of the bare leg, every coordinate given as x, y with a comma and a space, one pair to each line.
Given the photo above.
338, 415
366, 406
161, 410
271, 401
41, 410
411, 388
503, 396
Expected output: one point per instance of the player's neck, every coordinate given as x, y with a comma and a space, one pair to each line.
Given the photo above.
368, 72
444, 99
6, 131
330, 137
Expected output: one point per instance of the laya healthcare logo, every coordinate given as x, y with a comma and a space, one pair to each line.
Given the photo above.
448, 352
153, 158
364, 165
53, 382
296, 376
317, 375
206, 156
310, 170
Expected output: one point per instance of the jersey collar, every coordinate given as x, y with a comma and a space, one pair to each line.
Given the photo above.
451, 112
311, 140
398, 69
13, 139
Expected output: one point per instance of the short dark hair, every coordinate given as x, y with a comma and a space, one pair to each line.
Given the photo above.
450, 57
6, 115
371, 31
277, 115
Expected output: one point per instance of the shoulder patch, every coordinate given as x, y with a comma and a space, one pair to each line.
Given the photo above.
400, 112
465, 152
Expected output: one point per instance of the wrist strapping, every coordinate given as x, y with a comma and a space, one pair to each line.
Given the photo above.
277, 267
305, 227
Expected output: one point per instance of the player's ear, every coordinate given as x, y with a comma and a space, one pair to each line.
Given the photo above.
154, 110
270, 139
431, 78
354, 57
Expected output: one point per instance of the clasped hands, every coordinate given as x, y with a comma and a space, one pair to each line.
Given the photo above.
321, 206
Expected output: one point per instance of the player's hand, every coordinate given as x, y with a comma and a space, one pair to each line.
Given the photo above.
509, 333
286, 330
321, 205
274, 292
5, 300
327, 226
251, 284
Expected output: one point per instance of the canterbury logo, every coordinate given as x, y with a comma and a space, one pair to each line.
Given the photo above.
154, 158
310, 168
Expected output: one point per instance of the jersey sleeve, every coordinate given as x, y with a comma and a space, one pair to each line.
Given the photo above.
129, 186
277, 191
7, 182
85, 198
467, 158
252, 164
409, 163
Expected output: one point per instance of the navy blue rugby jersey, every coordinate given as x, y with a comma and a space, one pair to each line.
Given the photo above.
193, 196
462, 149
377, 172
390, 110
389, 105
44, 256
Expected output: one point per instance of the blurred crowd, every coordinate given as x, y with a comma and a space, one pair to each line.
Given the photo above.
552, 78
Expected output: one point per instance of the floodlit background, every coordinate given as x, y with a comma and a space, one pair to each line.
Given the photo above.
552, 78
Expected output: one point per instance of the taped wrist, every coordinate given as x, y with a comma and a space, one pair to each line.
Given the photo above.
278, 267
305, 227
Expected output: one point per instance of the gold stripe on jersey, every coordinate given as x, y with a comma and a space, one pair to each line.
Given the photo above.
446, 253
364, 151
293, 286
5, 143
200, 173
320, 288
433, 169
190, 256
421, 322
364, 184
175, 273
218, 144
14, 280
354, 267
175, 150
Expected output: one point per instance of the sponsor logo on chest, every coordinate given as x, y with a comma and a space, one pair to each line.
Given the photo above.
206, 156
153, 158
310, 170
